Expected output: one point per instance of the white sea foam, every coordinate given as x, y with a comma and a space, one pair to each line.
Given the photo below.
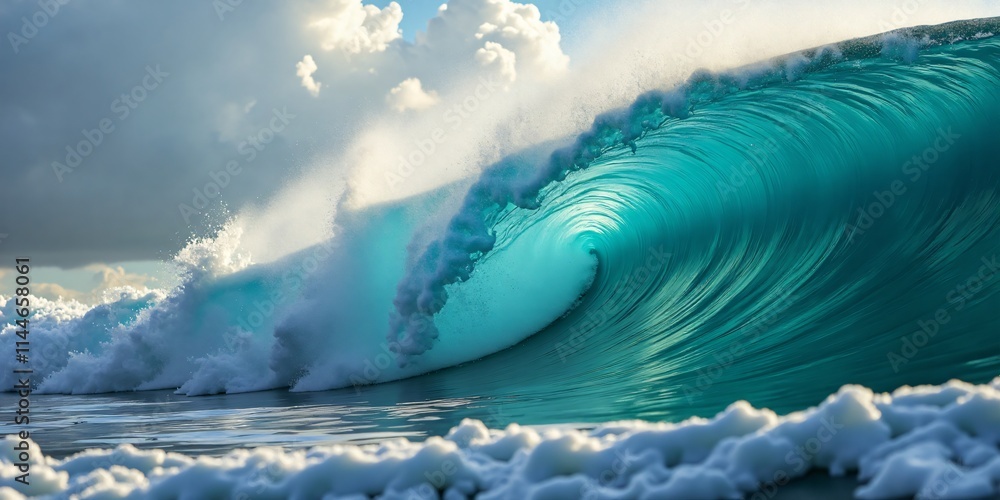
928, 441
313, 320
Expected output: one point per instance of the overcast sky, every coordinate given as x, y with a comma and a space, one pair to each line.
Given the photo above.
114, 115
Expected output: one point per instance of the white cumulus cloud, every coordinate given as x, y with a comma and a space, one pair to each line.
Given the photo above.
104, 280
495, 56
499, 39
304, 69
478, 26
355, 28
410, 94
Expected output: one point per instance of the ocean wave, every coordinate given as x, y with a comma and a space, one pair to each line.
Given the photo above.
824, 212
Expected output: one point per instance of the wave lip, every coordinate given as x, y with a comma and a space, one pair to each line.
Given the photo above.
928, 441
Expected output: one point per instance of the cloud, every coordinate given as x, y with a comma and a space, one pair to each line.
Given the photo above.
471, 54
519, 28
177, 140
53, 291
498, 31
354, 28
305, 69
410, 94
502, 36
224, 83
503, 61
105, 278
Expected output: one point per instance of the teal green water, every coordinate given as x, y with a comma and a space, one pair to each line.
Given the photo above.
769, 235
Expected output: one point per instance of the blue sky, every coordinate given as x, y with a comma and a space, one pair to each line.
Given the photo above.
416, 13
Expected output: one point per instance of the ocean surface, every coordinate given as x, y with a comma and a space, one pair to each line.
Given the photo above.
768, 234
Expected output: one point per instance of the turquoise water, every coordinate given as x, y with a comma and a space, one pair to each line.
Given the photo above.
770, 235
